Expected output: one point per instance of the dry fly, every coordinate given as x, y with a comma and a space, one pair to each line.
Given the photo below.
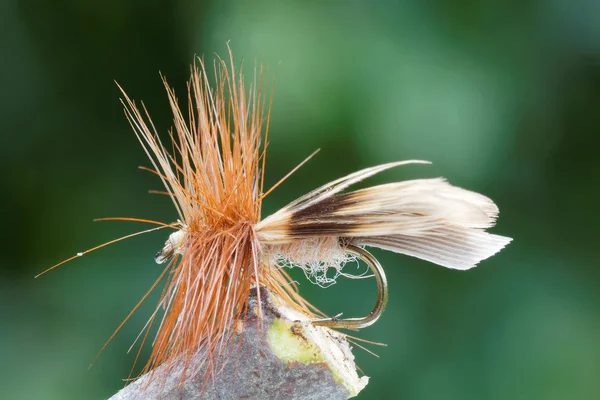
213, 171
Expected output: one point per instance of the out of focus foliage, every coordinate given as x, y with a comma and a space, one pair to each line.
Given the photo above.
502, 96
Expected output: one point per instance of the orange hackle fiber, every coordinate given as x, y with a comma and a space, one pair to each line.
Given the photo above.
213, 175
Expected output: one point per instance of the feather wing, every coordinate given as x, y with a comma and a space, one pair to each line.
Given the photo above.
456, 249
425, 218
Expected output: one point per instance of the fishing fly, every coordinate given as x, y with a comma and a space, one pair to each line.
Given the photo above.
212, 169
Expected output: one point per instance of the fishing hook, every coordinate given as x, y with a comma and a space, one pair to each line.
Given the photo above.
382, 295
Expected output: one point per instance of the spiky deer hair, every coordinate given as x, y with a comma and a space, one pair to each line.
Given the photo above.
221, 249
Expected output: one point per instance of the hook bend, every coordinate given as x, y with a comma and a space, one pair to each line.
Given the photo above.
382, 295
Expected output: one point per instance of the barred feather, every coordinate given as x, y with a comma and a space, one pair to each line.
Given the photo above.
425, 218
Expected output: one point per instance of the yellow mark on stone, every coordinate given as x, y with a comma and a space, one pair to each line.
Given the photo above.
289, 344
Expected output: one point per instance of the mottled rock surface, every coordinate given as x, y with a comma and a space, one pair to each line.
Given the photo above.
281, 356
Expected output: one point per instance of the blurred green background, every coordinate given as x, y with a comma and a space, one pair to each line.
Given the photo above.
502, 96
